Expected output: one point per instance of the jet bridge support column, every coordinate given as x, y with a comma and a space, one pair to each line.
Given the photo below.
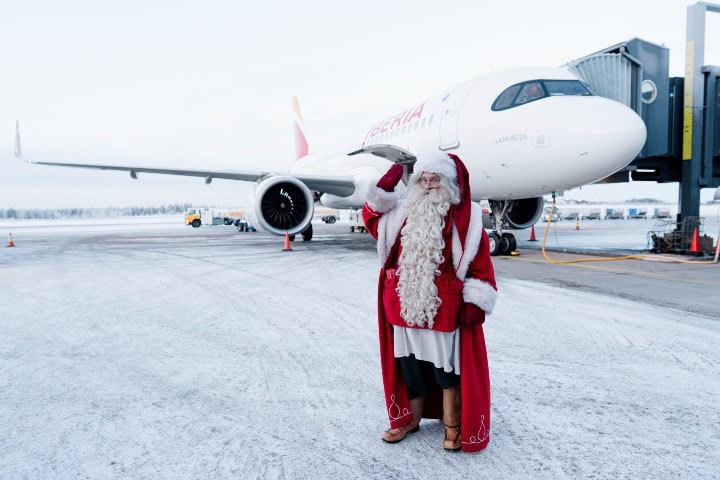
693, 111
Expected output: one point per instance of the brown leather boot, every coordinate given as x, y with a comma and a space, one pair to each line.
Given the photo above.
451, 418
394, 435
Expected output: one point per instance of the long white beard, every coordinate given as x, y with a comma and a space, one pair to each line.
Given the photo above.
422, 245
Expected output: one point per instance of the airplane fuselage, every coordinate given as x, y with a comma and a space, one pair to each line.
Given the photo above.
555, 143
522, 133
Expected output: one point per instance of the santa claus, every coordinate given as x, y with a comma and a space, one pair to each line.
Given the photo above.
436, 285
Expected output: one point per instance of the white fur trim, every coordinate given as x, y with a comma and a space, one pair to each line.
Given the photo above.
389, 227
480, 293
436, 162
462, 259
390, 224
380, 200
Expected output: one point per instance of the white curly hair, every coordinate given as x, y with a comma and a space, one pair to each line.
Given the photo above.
422, 247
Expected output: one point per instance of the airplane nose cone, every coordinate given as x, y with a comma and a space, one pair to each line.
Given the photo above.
621, 130
602, 135
562, 142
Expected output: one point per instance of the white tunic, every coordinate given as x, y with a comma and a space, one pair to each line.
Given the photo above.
440, 348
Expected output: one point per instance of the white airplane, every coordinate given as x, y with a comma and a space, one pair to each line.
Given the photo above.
522, 133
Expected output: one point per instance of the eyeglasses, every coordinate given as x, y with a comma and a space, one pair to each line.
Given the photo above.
433, 181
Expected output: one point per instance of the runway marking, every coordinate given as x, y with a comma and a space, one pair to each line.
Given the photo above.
622, 270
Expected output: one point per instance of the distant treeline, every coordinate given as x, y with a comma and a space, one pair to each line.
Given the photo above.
644, 200
654, 201
38, 213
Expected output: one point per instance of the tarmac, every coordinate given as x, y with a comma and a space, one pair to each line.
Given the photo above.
595, 248
142, 348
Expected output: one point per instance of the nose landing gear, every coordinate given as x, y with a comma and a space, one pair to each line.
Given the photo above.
502, 244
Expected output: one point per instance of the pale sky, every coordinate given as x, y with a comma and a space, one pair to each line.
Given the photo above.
207, 84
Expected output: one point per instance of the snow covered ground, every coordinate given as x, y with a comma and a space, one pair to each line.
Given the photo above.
156, 351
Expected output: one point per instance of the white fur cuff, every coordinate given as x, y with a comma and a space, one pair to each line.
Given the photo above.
480, 293
380, 200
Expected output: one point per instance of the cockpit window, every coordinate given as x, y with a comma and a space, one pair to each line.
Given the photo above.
565, 87
522, 93
505, 100
529, 92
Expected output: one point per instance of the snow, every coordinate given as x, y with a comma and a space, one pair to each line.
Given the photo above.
168, 353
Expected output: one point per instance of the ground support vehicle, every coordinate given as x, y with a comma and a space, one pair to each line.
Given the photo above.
244, 226
356, 222
208, 216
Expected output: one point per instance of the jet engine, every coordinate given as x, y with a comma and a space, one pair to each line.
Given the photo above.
519, 214
283, 204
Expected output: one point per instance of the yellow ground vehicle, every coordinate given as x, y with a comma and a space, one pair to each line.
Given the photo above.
208, 216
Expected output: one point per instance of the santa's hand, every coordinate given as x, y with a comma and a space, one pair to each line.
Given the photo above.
471, 315
391, 178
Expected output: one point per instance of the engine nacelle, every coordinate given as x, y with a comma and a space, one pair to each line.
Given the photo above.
524, 213
519, 214
283, 204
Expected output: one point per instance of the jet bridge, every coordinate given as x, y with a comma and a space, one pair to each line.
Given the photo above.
682, 115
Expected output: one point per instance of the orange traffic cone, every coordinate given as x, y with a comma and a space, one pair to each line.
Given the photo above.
577, 224
287, 248
532, 235
695, 244
10, 241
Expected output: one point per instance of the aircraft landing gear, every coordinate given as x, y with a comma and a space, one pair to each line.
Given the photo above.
307, 234
494, 243
503, 244
508, 244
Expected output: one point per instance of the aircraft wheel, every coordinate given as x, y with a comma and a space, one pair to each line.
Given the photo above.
494, 244
307, 234
507, 243
291, 237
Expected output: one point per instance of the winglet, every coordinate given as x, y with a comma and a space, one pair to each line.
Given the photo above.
18, 145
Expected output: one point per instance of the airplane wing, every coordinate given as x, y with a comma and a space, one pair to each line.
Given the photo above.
341, 186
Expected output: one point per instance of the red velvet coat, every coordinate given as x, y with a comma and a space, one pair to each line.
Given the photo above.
384, 215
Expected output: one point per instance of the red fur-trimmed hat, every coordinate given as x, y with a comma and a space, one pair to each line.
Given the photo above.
436, 162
